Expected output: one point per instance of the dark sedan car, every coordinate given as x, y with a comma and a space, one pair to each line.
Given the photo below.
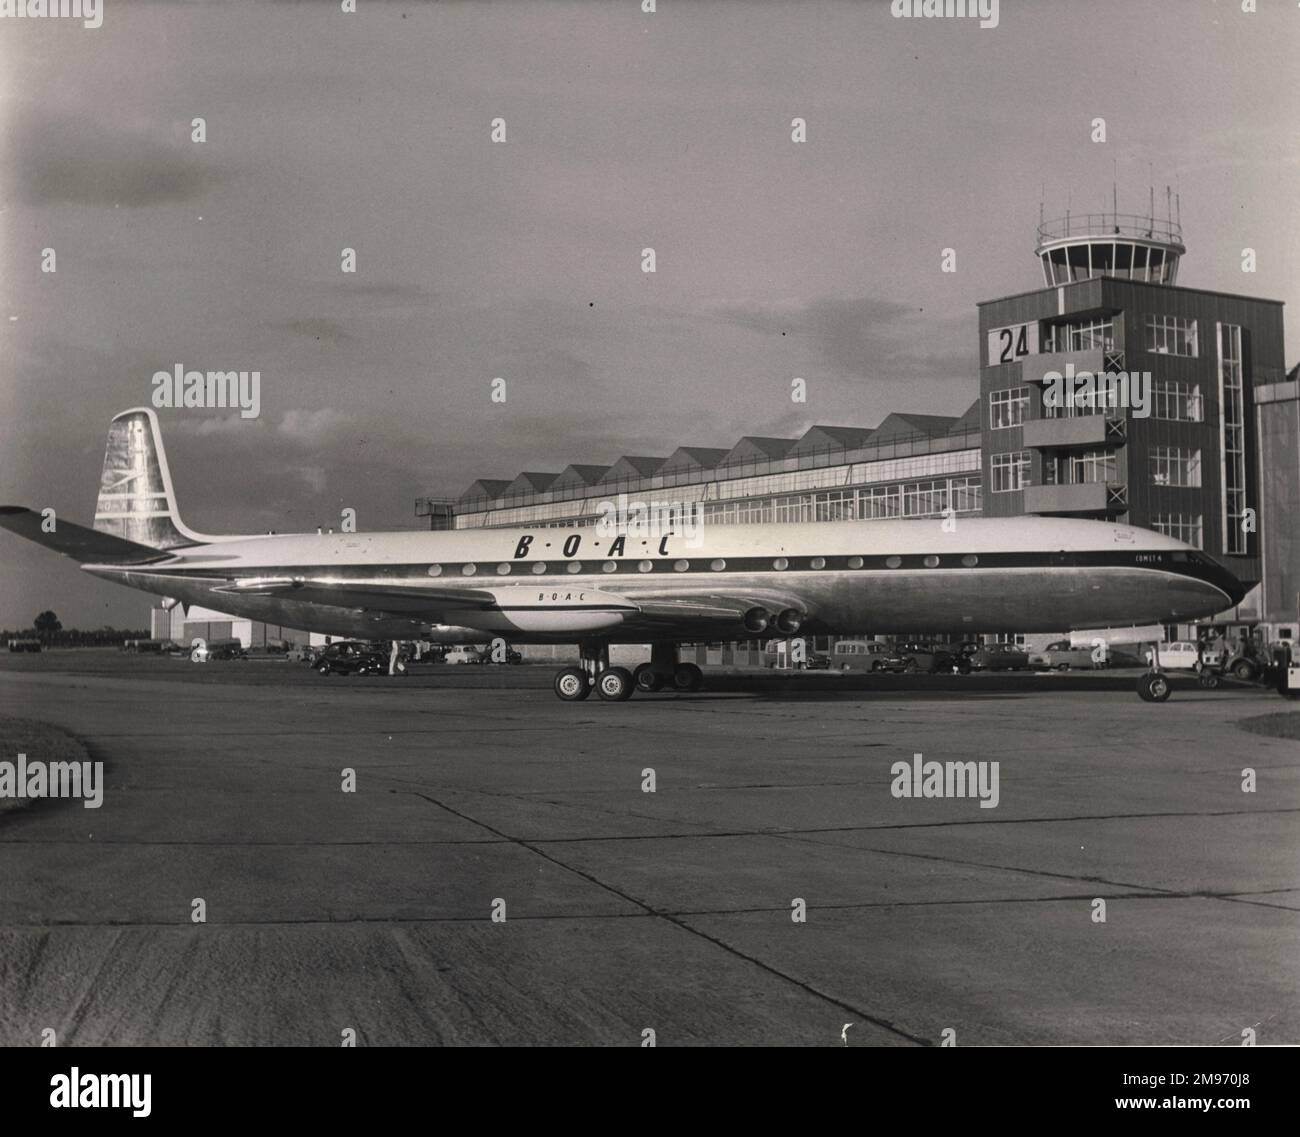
1000, 657
355, 658
918, 657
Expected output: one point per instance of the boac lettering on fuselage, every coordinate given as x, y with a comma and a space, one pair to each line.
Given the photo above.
573, 542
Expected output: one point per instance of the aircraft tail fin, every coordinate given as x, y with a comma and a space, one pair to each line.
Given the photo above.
136, 499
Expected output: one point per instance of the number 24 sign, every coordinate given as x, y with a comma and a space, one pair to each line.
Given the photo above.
1006, 345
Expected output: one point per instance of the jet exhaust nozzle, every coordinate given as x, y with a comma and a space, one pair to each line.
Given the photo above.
756, 620
789, 621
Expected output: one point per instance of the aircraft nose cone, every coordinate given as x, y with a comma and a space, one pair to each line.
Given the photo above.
1223, 578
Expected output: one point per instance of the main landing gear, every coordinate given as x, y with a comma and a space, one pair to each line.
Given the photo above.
616, 684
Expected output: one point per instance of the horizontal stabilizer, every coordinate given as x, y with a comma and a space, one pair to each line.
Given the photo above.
88, 546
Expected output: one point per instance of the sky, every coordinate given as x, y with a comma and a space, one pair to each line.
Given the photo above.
522, 259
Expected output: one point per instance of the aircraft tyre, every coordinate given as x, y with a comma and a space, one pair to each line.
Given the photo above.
571, 684
1153, 687
646, 678
688, 677
615, 684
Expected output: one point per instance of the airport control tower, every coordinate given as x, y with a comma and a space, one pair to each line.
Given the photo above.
1122, 245
1179, 464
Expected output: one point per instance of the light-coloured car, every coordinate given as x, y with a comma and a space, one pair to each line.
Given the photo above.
1181, 655
463, 655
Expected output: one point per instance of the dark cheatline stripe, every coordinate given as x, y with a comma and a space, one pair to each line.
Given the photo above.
1192, 564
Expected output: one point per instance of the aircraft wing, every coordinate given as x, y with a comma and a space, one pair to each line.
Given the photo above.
541, 608
376, 595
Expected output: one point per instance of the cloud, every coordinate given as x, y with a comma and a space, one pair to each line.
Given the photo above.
311, 428
869, 336
60, 157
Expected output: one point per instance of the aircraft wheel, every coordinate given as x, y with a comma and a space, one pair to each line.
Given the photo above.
571, 684
614, 684
646, 678
1153, 687
688, 677
1208, 680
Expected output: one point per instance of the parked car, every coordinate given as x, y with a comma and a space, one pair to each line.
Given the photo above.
463, 655
917, 657
857, 655
354, 658
213, 651
1061, 656
999, 657
1181, 655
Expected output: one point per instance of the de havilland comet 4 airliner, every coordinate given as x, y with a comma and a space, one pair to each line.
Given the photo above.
580, 586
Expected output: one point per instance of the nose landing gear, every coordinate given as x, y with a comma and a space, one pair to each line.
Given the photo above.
1153, 687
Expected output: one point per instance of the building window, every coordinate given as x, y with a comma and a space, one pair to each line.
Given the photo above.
1168, 335
1010, 471
1082, 335
1092, 467
1015, 639
878, 502
965, 495
1176, 402
1007, 408
925, 499
1174, 466
1233, 437
1184, 527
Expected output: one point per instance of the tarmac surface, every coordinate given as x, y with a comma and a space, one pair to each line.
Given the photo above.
625, 910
